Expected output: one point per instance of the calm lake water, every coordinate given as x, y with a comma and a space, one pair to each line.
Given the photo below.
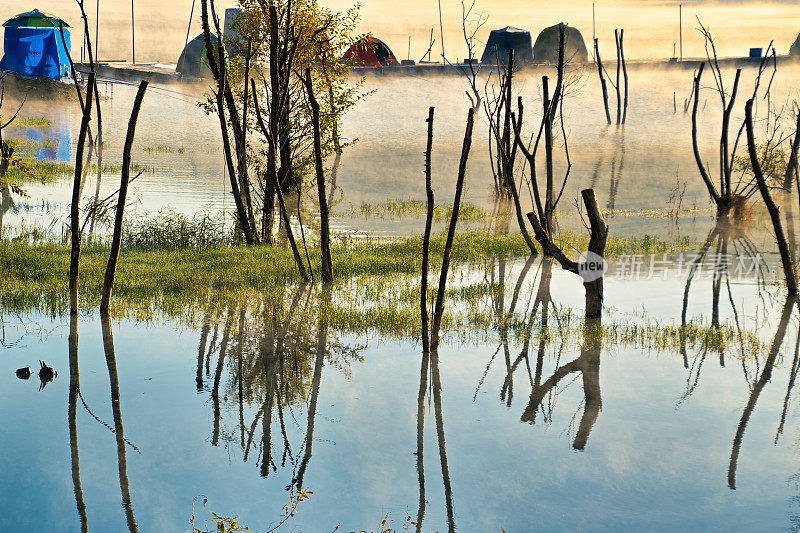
553, 428
567, 434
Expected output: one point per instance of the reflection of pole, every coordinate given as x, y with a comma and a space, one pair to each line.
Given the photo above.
133, 36
437, 410
322, 347
423, 387
74, 390
113, 377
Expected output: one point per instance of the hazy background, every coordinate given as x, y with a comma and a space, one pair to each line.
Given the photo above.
651, 26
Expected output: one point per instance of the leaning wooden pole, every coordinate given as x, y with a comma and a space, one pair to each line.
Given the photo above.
116, 241
451, 232
619, 63
774, 212
426, 239
75, 223
624, 75
603, 85
325, 236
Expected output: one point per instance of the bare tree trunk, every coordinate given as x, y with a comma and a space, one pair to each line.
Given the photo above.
507, 162
724, 153
619, 63
603, 85
774, 213
462, 171
624, 75
325, 238
216, 63
116, 241
712, 191
597, 245
75, 223
426, 239
548, 154
791, 168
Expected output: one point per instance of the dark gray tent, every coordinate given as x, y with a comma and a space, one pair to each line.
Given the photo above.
505, 39
193, 61
545, 50
795, 49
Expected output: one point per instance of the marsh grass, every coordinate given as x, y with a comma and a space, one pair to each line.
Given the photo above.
163, 149
31, 122
413, 209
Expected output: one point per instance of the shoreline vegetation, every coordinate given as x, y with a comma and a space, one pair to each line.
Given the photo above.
42, 267
375, 293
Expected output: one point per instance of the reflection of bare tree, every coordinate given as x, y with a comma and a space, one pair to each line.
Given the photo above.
74, 390
269, 358
111, 362
223, 350
766, 374
588, 364
322, 347
617, 168
725, 234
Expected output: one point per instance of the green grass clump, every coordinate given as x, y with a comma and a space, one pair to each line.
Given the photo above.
401, 209
36, 171
32, 122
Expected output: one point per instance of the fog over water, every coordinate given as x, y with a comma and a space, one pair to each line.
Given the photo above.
651, 27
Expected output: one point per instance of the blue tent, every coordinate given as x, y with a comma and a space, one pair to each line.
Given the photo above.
36, 49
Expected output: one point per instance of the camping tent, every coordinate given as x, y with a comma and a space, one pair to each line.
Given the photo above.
795, 49
370, 52
32, 46
193, 61
545, 50
505, 39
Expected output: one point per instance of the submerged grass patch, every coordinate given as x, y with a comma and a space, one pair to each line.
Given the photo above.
31, 122
400, 209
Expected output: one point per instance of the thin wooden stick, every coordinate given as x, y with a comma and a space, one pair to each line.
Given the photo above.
426, 239
603, 85
116, 241
462, 171
75, 224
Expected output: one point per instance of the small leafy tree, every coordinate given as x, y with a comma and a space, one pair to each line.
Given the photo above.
275, 42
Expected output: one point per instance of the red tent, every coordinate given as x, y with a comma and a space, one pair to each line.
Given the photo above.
370, 52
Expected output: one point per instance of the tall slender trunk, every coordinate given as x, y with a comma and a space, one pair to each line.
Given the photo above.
75, 223
603, 85
325, 238
426, 239
774, 213
116, 241
448, 247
